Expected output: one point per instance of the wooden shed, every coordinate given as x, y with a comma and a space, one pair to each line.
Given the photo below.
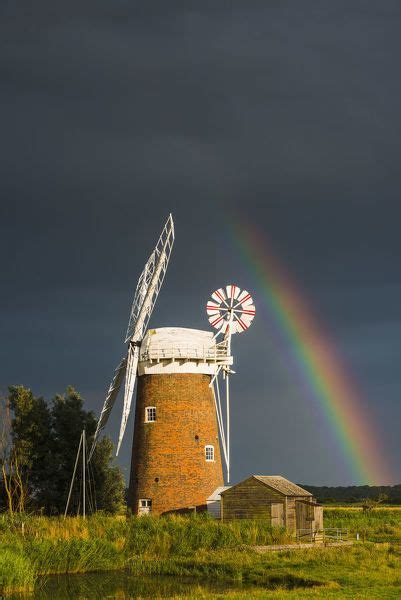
214, 501
274, 498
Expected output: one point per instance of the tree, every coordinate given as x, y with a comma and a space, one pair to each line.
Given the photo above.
370, 504
30, 435
40, 454
109, 480
68, 420
107, 485
12, 494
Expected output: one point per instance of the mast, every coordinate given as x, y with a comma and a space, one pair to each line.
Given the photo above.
83, 474
82, 444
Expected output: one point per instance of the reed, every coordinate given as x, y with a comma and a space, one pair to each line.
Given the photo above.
17, 573
195, 546
44, 545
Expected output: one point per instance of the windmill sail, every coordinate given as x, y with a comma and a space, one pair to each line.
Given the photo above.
146, 293
158, 261
109, 402
132, 364
138, 332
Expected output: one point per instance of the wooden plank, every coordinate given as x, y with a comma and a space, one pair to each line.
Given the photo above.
248, 500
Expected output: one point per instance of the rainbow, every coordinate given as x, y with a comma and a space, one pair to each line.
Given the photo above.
312, 358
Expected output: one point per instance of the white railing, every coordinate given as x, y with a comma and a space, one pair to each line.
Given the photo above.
329, 534
216, 353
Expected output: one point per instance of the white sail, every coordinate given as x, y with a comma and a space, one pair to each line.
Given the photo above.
132, 365
138, 332
146, 293
158, 262
109, 401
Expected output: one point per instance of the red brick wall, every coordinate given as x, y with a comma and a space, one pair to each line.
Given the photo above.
168, 461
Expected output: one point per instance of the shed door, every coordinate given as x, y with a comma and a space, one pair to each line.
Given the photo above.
318, 517
309, 516
277, 515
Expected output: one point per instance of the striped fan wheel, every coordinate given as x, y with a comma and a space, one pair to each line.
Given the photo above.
230, 304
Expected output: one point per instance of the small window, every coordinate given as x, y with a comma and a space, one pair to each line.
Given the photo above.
150, 414
209, 453
145, 503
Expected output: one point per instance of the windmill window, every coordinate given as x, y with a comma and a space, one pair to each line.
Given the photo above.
209, 453
150, 414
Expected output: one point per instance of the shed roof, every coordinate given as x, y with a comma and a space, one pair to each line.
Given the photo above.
216, 494
282, 485
279, 484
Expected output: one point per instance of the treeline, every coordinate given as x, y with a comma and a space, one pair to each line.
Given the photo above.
355, 493
38, 448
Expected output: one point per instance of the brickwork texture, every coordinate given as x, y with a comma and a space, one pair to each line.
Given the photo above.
168, 456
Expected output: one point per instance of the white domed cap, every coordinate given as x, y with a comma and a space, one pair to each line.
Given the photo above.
180, 350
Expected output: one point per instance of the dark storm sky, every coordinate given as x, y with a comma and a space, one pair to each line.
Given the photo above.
115, 113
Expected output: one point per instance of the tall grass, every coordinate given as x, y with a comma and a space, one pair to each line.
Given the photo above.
43, 545
195, 546
16, 571
378, 525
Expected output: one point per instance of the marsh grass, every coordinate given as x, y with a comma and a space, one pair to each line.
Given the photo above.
16, 571
198, 546
43, 546
382, 524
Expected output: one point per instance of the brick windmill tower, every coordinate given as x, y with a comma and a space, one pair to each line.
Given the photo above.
176, 458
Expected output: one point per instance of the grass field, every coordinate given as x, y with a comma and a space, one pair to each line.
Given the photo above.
382, 524
200, 547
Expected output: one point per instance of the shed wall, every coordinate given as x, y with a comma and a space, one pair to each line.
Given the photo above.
249, 500
252, 499
213, 508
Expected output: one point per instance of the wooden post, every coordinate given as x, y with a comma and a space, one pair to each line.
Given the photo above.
83, 475
285, 512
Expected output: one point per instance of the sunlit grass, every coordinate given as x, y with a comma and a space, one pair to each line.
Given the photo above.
201, 547
378, 525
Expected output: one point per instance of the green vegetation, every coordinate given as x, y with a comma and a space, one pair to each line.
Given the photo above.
38, 446
46, 545
200, 547
38, 443
378, 525
355, 493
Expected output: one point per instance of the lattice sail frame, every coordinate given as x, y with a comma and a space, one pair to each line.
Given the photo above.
146, 293
111, 397
159, 259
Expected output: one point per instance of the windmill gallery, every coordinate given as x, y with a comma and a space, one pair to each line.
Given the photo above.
182, 412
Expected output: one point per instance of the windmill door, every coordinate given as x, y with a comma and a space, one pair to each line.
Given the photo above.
145, 506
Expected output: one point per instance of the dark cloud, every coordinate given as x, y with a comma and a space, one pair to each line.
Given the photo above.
113, 115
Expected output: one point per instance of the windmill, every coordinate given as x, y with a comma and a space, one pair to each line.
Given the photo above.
146, 293
179, 414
